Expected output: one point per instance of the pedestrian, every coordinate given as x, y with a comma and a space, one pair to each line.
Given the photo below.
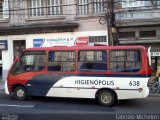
157, 78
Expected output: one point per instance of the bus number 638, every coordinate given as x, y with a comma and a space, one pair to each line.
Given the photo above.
134, 83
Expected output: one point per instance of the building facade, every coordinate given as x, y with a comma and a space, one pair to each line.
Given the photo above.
138, 23
38, 23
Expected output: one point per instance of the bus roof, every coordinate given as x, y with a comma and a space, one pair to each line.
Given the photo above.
84, 48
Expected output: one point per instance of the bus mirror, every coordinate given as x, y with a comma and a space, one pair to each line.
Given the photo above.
149, 56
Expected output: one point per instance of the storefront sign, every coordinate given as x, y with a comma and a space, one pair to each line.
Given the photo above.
81, 41
155, 53
38, 42
3, 45
49, 42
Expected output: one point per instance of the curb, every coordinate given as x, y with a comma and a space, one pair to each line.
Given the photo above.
2, 86
2, 89
154, 95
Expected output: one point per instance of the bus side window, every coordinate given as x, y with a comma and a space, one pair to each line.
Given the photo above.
51, 56
86, 66
104, 56
61, 61
125, 61
52, 64
92, 60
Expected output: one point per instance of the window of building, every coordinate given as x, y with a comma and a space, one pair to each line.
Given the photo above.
92, 61
127, 34
4, 9
98, 6
45, 7
83, 7
147, 33
97, 39
90, 6
132, 3
54, 7
36, 8
61, 61
125, 61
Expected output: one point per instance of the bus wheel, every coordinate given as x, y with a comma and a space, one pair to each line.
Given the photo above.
20, 93
106, 97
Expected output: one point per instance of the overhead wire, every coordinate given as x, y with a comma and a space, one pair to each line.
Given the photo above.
22, 12
25, 11
47, 7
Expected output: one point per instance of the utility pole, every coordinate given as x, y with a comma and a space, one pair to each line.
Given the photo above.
109, 21
108, 18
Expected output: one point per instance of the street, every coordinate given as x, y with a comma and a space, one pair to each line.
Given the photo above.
63, 107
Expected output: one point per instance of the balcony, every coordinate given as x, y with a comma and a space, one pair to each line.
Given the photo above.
139, 40
141, 16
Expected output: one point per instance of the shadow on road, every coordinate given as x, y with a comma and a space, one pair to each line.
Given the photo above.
69, 104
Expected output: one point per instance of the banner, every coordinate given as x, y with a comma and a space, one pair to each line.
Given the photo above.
49, 42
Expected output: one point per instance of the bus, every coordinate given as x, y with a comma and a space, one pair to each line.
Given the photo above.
104, 73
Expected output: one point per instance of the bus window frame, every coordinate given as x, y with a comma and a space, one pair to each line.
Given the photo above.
19, 60
92, 62
121, 72
61, 71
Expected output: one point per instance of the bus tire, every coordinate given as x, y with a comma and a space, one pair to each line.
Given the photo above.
20, 93
106, 97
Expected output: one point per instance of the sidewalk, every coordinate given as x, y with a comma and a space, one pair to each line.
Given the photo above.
2, 86
154, 95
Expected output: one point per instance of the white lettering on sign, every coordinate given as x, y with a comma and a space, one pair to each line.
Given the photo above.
155, 53
94, 82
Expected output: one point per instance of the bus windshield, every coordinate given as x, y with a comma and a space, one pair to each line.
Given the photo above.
29, 62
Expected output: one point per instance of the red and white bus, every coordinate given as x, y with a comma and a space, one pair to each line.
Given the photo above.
105, 73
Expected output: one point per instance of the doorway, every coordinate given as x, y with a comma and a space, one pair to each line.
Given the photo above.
18, 47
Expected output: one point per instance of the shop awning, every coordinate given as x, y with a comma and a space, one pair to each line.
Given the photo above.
37, 29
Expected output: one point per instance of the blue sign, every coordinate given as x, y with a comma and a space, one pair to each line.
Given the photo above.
3, 45
38, 42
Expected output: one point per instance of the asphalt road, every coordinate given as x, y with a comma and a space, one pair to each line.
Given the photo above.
80, 109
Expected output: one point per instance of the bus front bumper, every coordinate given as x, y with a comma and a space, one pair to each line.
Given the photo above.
6, 87
146, 92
